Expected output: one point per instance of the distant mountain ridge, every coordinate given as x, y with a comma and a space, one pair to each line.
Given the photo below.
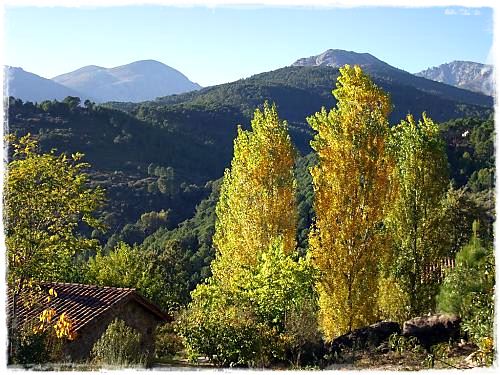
464, 74
31, 87
337, 58
134, 82
300, 91
148, 80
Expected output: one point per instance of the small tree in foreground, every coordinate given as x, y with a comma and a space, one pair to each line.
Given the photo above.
46, 201
468, 291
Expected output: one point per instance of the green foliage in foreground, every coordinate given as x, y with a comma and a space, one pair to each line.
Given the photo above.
46, 201
468, 291
257, 322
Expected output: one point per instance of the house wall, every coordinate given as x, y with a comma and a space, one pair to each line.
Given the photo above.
134, 315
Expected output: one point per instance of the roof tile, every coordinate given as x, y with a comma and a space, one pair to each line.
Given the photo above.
83, 303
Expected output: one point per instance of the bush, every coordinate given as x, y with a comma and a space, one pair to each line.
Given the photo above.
32, 348
120, 345
229, 335
257, 319
301, 333
167, 342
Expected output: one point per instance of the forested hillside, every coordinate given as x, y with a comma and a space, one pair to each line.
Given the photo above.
159, 155
170, 159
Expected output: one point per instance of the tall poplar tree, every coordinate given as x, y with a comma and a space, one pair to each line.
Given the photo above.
257, 200
351, 185
417, 219
245, 312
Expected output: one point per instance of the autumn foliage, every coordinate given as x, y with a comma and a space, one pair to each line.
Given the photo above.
257, 199
351, 186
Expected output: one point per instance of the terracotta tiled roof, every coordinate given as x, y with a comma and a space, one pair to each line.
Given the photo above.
84, 303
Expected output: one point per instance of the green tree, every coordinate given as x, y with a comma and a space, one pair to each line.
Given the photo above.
351, 186
46, 199
468, 291
72, 102
157, 275
417, 220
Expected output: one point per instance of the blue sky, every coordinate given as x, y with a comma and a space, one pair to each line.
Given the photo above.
222, 44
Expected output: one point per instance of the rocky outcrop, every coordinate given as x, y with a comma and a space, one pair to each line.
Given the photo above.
370, 336
433, 329
463, 74
337, 58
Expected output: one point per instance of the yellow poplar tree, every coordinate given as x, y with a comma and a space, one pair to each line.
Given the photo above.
351, 186
257, 199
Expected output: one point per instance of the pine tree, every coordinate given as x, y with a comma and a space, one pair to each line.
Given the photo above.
351, 185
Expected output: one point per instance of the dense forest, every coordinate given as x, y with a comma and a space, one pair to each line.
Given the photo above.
187, 207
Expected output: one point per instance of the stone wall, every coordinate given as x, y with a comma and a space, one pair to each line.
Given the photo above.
134, 314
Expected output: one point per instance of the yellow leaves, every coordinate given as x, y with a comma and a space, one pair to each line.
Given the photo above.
45, 319
392, 300
52, 293
64, 327
257, 200
47, 315
351, 189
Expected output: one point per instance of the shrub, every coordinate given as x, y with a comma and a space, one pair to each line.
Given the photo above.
257, 320
120, 345
301, 333
167, 341
32, 348
229, 335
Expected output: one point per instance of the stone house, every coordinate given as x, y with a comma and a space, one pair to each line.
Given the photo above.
92, 308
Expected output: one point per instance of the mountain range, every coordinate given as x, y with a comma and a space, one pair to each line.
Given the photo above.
147, 80
464, 74
31, 87
134, 82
